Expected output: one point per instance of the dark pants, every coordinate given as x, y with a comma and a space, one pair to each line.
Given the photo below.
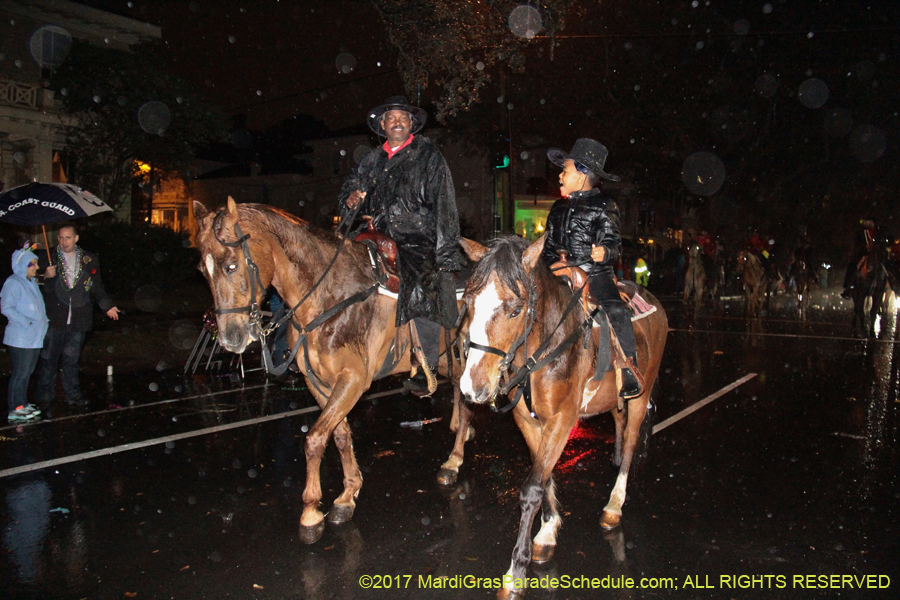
62, 351
23, 363
430, 338
603, 288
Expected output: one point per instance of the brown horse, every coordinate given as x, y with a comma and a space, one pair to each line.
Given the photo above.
513, 302
346, 344
695, 277
756, 281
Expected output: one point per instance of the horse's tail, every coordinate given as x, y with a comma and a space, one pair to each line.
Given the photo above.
642, 451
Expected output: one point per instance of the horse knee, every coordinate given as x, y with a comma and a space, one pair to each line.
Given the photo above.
315, 446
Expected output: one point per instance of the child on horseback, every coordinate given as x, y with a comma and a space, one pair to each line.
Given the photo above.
585, 224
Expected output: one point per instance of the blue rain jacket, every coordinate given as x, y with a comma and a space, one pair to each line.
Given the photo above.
22, 303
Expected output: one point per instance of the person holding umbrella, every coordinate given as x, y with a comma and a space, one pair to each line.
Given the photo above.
21, 302
72, 283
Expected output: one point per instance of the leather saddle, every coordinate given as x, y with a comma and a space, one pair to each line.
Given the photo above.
578, 278
384, 253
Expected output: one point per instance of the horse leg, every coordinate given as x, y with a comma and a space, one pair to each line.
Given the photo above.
462, 418
544, 545
343, 507
546, 449
345, 392
620, 418
637, 410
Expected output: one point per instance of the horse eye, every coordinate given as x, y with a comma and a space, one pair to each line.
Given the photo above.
515, 313
230, 268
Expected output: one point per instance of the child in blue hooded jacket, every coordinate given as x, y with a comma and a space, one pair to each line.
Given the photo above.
22, 303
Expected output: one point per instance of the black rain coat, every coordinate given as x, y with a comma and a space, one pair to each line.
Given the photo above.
412, 199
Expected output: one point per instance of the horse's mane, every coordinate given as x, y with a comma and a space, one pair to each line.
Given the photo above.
504, 258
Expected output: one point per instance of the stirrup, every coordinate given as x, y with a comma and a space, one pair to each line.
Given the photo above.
430, 378
642, 385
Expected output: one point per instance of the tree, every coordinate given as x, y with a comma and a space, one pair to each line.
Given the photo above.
126, 108
455, 45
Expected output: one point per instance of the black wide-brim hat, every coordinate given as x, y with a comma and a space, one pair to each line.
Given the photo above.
590, 153
418, 115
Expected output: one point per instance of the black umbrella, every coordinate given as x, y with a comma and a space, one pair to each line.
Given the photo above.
36, 204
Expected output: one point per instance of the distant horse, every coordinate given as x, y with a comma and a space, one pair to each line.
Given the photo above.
516, 306
758, 284
870, 283
803, 278
344, 328
695, 277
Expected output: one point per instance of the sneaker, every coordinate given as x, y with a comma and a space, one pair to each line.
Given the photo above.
31, 408
20, 415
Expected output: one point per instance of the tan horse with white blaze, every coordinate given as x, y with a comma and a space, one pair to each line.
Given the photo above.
514, 302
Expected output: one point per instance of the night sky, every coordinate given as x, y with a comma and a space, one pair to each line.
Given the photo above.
791, 105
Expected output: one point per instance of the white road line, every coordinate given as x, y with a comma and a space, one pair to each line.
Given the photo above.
112, 410
161, 440
695, 407
171, 438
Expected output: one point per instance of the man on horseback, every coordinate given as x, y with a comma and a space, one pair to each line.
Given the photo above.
585, 224
406, 186
863, 239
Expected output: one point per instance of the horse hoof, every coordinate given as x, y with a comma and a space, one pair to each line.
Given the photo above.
507, 594
610, 521
312, 533
447, 476
340, 513
541, 553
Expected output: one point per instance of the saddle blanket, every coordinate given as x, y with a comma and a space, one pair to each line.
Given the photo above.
640, 307
386, 292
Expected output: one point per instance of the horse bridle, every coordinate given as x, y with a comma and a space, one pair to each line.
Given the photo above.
251, 309
533, 362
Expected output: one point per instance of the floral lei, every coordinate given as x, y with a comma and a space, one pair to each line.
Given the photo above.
79, 262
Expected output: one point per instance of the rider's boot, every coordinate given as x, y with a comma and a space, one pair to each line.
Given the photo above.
424, 382
848, 291
632, 380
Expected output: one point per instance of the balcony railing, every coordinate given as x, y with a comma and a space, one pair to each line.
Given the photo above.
16, 93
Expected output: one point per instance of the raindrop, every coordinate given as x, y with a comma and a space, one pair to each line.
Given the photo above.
343, 152
766, 85
703, 173
742, 27
153, 387
767, 9
543, 101
154, 116
122, 100
813, 93
259, 92
867, 143
525, 21
360, 153
510, 106
18, 63
179, 99
170, 444
499, 99
699, 45
64, 91
19, 158
192, 499
101, 433
183, 334
110, 349
426, 521
215, 556
236, 463
251, 473
97, 99
148, 297
162, 366
304, 428
524, 155
838, 122
286, 482
345, 62
231, 39
49, 46
479, 65
637, 88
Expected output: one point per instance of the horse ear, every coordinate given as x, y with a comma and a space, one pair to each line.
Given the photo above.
232, 207
200, 211
533, 253
473, 249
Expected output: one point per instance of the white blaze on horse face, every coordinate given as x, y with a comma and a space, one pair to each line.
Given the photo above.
210, 264
486, 302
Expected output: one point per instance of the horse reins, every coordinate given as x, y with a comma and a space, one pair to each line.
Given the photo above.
253, 308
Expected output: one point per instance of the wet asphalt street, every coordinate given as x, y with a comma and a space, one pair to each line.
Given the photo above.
770, 490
